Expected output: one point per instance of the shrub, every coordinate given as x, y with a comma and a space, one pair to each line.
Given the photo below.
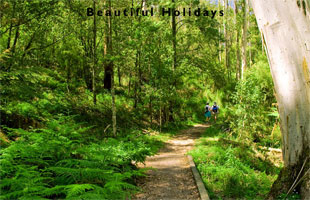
253, 101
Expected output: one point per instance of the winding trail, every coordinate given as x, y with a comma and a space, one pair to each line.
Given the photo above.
171, 177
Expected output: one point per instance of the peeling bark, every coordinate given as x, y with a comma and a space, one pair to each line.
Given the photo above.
286, 31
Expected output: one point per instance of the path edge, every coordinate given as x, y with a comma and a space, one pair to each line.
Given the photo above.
201, 187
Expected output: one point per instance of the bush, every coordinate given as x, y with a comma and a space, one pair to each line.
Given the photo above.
249, 116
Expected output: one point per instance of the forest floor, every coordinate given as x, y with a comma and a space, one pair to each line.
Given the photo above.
171, 176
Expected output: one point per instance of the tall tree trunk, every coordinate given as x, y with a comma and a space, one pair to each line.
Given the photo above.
238, 68
119, 76
94, 55
118, 66
139, 71
136, 96
15, 38
11, 25
107, 80
108, 67
286, 30
249, 43
174, 39
226, 38
110, 52
174, 59
220, 31
244, 37
151, 95
10, 33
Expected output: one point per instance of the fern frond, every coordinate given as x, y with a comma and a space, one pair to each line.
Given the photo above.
75, 190
82, 174
54, 191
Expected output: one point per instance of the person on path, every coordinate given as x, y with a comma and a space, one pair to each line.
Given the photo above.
207, 112
215, 110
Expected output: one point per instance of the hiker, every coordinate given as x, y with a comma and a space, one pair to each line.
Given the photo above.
207, 112
215, 110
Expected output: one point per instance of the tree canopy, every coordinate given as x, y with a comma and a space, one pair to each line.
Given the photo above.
82, 90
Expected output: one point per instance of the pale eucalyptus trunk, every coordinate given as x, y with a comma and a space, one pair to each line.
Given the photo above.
286, 30
244, 37
238, 68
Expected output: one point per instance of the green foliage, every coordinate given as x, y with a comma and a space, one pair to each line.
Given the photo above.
230, 169
249, 116
59, 142
59, 162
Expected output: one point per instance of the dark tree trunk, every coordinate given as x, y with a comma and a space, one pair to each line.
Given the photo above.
108, 69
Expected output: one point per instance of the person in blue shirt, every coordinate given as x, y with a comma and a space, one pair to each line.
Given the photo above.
207, 112
215, 110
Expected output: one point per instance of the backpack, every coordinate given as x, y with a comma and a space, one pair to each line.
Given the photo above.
214, 109
207, 109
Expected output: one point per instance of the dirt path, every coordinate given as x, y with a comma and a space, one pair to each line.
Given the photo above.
172, 177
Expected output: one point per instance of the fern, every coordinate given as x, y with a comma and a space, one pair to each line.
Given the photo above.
79, 175
56, 162
76, 190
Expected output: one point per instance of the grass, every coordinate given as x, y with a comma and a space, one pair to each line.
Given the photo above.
230, 169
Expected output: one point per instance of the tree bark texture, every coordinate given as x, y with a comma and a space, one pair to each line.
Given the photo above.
286, 31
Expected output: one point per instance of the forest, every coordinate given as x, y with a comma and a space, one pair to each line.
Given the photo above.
92, 90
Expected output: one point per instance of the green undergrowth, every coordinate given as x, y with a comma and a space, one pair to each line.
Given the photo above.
231, 169
61, 161
57, 144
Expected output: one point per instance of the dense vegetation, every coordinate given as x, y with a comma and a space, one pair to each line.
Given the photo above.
232, 169
80, 95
